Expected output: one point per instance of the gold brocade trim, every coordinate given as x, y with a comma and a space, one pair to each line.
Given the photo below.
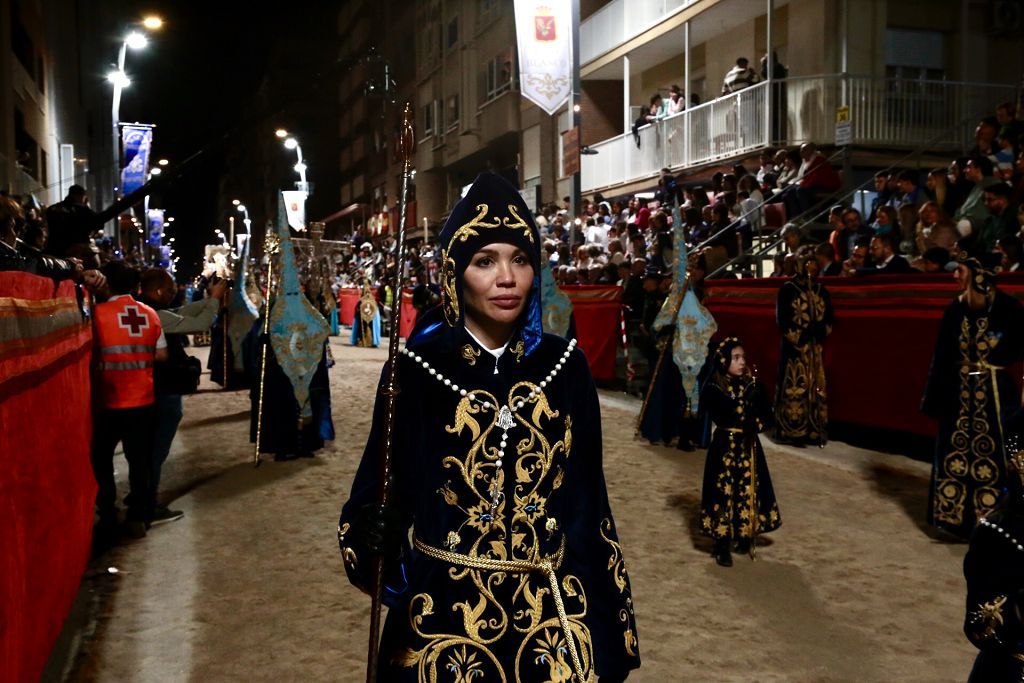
449, 297
470, 354
469, 229
801, 411
987, 618
547, 566
513, 532
518, 350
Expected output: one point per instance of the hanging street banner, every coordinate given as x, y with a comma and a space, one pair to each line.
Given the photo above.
136, 142
544, 35
155, 218
295, 208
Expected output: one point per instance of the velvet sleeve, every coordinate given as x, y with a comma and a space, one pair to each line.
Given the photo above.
992, 620
360, 564
790, 328
593, 552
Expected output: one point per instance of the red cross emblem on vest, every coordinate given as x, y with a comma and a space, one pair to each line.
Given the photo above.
133, 321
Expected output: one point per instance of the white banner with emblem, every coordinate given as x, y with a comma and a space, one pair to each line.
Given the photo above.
543, 32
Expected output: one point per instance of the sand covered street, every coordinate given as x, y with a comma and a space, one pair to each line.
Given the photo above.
249, 586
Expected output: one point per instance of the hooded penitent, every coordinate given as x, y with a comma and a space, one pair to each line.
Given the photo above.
492, 211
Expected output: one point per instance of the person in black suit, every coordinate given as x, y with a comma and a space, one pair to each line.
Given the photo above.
885, 259
824, 254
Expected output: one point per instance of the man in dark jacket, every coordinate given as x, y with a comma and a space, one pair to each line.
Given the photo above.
885, 259
71, 222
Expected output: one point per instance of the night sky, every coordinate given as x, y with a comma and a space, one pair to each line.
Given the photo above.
196, 81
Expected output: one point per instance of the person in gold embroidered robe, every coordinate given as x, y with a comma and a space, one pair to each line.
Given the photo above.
737, 498
805, 317
971, 393
515, 573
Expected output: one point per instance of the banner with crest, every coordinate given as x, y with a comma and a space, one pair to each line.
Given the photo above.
544, 36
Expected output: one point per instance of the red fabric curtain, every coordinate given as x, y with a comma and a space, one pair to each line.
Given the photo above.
47, 489
347, 300
596, 309
880, 349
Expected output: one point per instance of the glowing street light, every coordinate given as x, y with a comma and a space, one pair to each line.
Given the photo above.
281, 133
156, 171
153, 22
236, 202
163, 162
136, 40
119, 79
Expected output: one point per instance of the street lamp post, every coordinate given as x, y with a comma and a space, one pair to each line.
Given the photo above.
300, 166
136, 41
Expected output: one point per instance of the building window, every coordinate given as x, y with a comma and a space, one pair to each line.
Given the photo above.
452, 112
428, 120
21, 42
487, 11
452, 33
498, 77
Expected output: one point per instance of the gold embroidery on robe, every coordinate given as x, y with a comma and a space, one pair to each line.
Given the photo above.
513, 533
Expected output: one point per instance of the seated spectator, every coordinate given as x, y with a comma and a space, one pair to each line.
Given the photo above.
884, 257
1006, 117
909, 191
886, 222
596, 233
934, 228
853, 229
1002, 218
985, 138
816, 176
971, 216
616, 254
933, 260
790, 171
792, 238
938, 190
550, 252
751, 206
825, 256
1010, 252
766, 171
1006, 155
571, 276
882, 195
958, 186
859, 257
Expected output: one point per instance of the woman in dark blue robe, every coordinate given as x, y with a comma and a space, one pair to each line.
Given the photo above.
971, 393
737, 498
516, 572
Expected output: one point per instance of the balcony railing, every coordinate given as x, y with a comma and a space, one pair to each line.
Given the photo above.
884, 112
622, 20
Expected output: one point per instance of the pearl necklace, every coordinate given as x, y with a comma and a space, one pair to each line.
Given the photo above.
1006, 534
505, 412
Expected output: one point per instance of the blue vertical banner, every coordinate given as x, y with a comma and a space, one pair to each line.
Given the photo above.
136, 142
156, 227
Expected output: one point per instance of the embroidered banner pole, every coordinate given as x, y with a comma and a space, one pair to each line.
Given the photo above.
543, 33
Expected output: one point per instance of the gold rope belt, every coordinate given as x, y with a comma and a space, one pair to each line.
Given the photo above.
547, 566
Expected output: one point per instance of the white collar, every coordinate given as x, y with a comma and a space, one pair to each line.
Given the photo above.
494, 352
884, 263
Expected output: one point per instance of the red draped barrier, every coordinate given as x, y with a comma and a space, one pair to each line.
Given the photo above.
47, 489
596, 310
347, 300
881, 346
407, 313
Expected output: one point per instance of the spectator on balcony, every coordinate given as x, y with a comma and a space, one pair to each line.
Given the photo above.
934, 228
1010, 251
676, 103
694, 229
971, 215
1001, 221
827, 265
884, 258
816, 177
739, 77
779, 98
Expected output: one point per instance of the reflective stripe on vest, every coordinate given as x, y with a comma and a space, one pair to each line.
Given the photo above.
126, 365
127, 332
